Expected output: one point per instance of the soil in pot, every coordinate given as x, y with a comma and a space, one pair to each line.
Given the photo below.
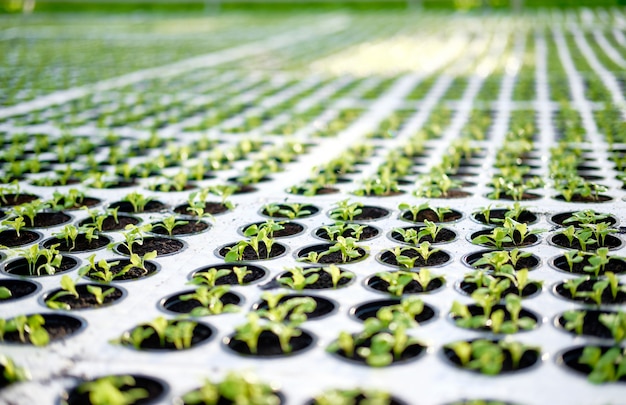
431, 215
367, 232
370, 213
58, 327
323, 306
18, 288
109, 224
81, 244
610, 241
616, 265
577, 198
269, 345
20, 266
189, 228
324, 280
587, 286
437, 258
361, 397
444, 235
162, 245
560, 219
255, 273
84, 202
413, 287
497, 216
10, 238
151, 206
250, 254
175, 304
369, 310
331, 258
85, 298
11, 200
591, 325
213, 208
154, 389
132, 273
47, 219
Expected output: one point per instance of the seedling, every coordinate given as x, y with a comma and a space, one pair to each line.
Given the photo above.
30, 210
492, 320
609, 366
299, 278
30, 329
345, 210
292, 310
488, 357
170, 223
178, 333
237, 252
235, 388
41, 259
341, 228
15, 224
269, 226
137, 200
11, 372
210, 300
113, 390
585, 217
398, 280
250, 332
353, 396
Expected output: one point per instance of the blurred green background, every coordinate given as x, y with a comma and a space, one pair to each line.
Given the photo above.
38, 6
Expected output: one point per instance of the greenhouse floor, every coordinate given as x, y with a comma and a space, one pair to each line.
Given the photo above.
474, 163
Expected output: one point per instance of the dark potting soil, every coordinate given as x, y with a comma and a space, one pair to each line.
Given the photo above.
81, 244
190, 228
587, 285
323, 282
175, 304
18, 288
154, 388
615, 265
132, 274
369, 213
445, 235
589, 199
319, 191
151, 206
269, 346
331, 258
610, 242
250, 254
11, 200
369, 310
409, 353
201, 333
58, 327
562, 217
454, 194
9, 238
289, 229
591, 324
323, 306
212, 208
528, 359
85, 298
257, 273
435, 259
163, 246
47, 219
413, 287
367, 233
497, 216
109, 224
524, 197
20, 266
530, 262
431, 215
84, 202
